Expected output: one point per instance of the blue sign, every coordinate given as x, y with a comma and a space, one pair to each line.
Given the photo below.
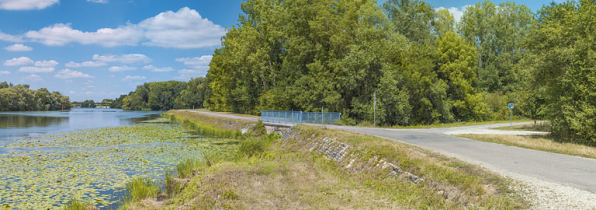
510, 105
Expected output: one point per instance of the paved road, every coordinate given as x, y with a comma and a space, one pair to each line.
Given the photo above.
576, 172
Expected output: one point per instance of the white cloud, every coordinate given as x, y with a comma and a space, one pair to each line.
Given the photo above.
32, 78
68, 74
85, 64
127, 58
186, 74
456, 12
21, 61
18, 48
122, 68
31, 69
26, 4
155, 69
132, 78
4, 72
183, 29
50, 63
10, 38
71, 92
61, 34
98, 1
197, 62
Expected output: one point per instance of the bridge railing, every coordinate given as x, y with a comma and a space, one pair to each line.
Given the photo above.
299, 117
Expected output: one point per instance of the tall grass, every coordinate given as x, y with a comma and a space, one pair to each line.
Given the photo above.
204, 128
140, 188
74, 204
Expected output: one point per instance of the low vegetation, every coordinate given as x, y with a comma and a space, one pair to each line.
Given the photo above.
538, 142
540, 126
267, 171
74, 204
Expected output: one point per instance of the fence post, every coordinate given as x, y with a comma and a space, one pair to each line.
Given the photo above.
322, 116
261, 115
286, 117
340, 117
300, 117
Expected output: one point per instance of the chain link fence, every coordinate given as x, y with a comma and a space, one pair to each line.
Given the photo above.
299, 117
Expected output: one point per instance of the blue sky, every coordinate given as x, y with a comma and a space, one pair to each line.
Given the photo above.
96, 49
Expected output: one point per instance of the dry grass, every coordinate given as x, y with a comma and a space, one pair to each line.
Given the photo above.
539, 142
540, 126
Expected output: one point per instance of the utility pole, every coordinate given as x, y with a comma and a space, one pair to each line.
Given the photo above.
375, 109
322, 115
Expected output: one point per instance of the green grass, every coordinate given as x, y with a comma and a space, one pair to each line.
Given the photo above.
74, 204
140, 188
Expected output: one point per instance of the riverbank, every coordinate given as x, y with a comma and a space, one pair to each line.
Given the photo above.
314, 168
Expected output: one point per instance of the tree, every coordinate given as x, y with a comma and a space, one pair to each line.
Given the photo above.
88, 104
564, 51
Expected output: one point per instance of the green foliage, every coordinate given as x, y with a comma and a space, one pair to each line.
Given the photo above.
254, 146
140, 188
563, 58
21, 98
88, 104
155, 96
194, 95
74, 204
187, 167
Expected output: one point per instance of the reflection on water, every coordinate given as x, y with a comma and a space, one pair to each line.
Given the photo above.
33, 124
25, 121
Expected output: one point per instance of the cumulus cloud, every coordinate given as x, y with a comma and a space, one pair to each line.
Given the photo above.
10, 38
132, 78
155, 69
184, 29
26, 4
32, 69
127, 58
18, 48
69, 74
197, 62
50, 63
61, 34
456, 12
4, 72
98, 1
85, 64
21, 61
32, 78
122, 68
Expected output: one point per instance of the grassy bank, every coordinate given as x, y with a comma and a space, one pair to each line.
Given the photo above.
295, 171
540, 126
538, 142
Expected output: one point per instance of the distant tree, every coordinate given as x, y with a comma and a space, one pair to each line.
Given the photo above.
88, 104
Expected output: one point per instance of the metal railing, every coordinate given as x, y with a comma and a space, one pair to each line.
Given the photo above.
298, 117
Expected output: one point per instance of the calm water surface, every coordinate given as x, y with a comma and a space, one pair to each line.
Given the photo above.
33, 124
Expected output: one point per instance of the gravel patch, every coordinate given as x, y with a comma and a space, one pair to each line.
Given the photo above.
540, 193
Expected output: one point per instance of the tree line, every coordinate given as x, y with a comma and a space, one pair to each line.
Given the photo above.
22, 98
424, 67
164, 96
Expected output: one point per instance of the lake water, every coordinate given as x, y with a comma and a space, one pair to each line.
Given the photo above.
34, 124
49, 158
